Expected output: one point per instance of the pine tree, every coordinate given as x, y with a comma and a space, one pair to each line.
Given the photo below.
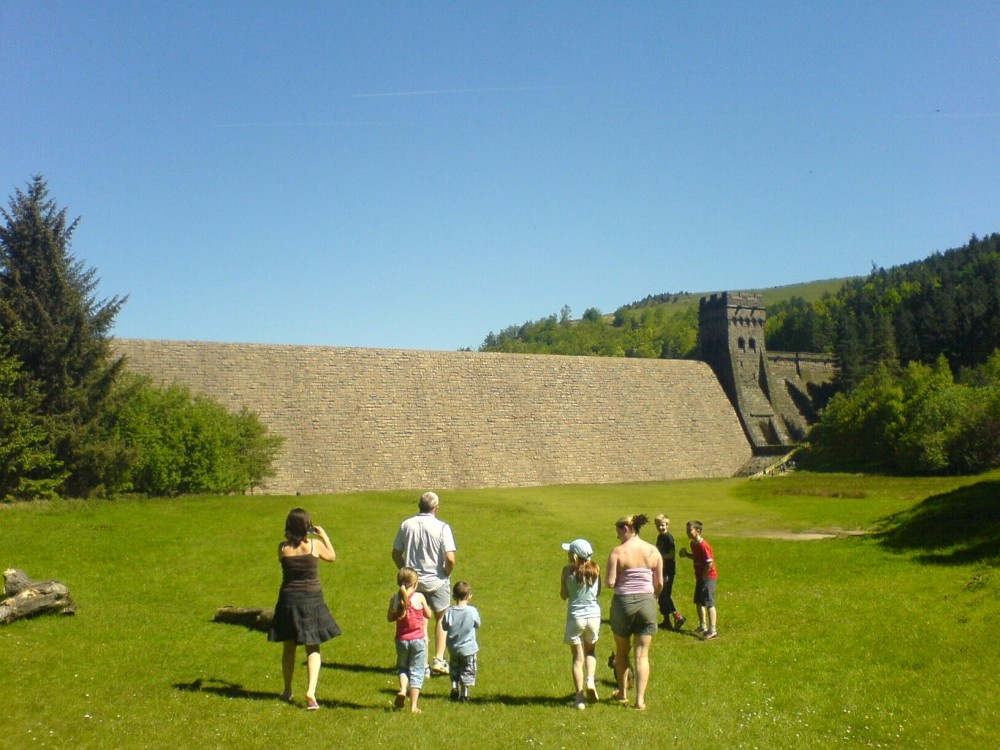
52, 323
28, 470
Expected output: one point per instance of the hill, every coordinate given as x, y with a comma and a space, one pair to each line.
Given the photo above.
659, 326
810, 291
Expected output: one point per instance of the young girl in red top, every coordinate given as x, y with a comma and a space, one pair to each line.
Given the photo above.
410, 611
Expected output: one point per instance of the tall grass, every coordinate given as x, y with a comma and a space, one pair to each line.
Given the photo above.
875, 640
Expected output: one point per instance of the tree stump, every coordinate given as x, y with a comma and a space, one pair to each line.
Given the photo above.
27, 598
254, 618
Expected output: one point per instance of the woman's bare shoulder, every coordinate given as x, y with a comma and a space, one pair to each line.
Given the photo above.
286, 549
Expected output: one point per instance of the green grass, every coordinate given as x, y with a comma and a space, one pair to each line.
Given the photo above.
879, 640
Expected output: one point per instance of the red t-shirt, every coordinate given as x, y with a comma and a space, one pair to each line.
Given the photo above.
702, 554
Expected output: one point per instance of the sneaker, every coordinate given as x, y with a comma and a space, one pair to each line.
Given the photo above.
592, 696
453, 696
679, 621
711, 635
400, 700
700, 630
440, 666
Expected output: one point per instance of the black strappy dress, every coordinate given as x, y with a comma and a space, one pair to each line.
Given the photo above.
301, 614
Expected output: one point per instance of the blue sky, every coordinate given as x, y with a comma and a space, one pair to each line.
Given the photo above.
416, 175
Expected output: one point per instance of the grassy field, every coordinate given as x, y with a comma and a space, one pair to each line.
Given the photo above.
879, 639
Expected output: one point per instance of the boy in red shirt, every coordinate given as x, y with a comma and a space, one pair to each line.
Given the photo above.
705, 576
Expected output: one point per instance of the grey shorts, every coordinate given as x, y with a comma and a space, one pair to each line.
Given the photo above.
704, 592
463, 669
633, 614
439, 598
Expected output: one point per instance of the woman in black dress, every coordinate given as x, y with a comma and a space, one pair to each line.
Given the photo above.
301, 616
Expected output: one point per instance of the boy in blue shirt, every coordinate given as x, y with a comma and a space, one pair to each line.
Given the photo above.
460, 623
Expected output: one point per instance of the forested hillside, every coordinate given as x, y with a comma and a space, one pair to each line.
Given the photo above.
917, 349
947, 304
658, 326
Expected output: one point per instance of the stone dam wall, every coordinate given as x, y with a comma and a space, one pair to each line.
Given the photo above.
378, 419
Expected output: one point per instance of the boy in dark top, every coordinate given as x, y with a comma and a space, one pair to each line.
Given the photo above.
665, 543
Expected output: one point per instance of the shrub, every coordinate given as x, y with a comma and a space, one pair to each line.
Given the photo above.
179, 443
920, 421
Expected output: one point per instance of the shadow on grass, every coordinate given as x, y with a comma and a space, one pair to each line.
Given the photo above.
487, 698
224, 688
358, 667
958, 527
227, 689
522, 700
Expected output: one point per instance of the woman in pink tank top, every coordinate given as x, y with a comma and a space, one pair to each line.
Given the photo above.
635, 572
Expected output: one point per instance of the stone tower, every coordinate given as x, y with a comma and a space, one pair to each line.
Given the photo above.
731, 328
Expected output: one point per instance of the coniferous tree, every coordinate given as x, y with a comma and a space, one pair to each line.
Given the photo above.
28, 469
54, 325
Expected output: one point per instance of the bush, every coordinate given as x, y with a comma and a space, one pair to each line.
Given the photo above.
179, 443
921, 421
859, 428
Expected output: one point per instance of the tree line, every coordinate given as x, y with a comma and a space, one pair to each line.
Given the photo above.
917, 349
947, 304
917, 371
73, 421
652, 331
914, 347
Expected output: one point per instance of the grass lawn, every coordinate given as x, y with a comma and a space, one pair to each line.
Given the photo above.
877, 639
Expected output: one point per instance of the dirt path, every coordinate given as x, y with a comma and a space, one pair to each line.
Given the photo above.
803, 536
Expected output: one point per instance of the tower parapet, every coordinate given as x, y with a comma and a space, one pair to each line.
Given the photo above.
731, 331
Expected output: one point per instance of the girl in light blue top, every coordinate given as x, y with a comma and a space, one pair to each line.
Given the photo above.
580, 587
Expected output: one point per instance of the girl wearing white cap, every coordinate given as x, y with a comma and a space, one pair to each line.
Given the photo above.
580, 587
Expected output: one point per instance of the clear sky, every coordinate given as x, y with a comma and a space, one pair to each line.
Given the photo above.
416, 175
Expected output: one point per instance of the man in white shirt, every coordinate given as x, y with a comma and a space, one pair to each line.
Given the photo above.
426, 543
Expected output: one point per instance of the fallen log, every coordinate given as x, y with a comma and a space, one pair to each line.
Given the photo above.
254, 618
27, 598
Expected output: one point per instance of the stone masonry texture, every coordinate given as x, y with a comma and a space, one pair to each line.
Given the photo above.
378, 419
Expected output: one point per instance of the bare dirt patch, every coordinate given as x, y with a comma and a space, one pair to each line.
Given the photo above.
811, 535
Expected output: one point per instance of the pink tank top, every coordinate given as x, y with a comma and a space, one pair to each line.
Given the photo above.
634, 581
410, 627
